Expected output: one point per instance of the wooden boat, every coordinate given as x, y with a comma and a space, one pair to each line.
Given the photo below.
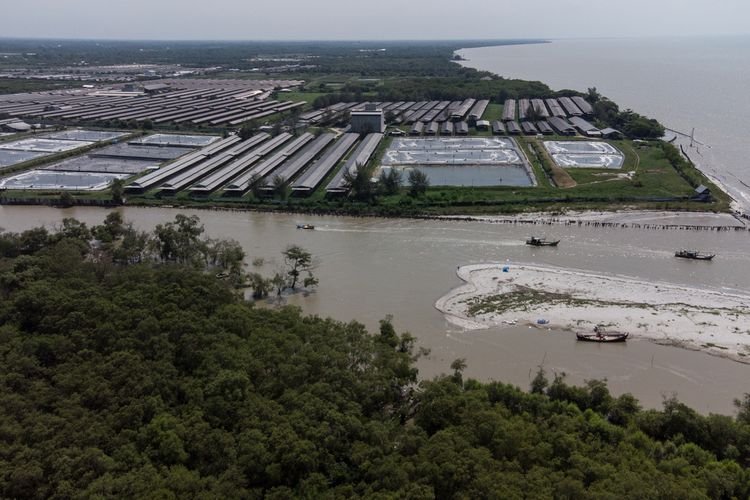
305, 226
541, 242
600, 335
693, 254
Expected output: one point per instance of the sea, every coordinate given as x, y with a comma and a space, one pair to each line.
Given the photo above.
695, 86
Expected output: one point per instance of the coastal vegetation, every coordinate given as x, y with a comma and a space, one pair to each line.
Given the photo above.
134, 371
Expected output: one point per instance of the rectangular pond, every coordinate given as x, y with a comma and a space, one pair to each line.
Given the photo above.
9, 157
104, 165
60, 181
43, 145
179, 140
462, 161
585, 154
474, 175
86, 135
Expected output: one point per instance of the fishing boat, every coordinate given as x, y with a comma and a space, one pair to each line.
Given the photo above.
601, 335
693, 254
305, 226
541, 242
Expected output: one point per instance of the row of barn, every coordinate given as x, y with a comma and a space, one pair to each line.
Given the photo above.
261, 163
407, 112
554, 125
563, 107
204, 106
438, 128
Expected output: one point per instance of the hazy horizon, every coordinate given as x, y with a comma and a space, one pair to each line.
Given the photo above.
336, 20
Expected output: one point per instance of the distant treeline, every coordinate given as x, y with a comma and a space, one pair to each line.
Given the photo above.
381, 58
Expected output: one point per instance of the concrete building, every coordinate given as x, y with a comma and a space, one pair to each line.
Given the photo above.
368, 121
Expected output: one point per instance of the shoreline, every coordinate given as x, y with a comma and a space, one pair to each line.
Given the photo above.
740, 207
574, 301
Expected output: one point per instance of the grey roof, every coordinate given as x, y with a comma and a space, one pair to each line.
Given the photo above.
509, 110
315, 174
360, 156
561, 125
242, 183
583, 105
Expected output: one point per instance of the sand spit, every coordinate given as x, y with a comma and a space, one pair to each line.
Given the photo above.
575, 301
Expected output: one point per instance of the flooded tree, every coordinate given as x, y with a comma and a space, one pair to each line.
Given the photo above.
297, 261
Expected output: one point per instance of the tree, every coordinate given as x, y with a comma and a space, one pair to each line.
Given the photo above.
74, 229
228, 256
458, 366
592, 95
260, 285
281, 188
147, 124
66, 199
297, 261
118, 191
257, 185
247, 131
359, 183
179, 241
418, 182
390, 180
540, 382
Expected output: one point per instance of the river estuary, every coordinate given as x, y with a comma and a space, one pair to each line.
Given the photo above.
369, 268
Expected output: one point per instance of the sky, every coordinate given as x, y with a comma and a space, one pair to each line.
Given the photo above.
371, 20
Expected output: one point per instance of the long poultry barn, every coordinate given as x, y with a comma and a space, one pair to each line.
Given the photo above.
297, 163
570, 107
360, 157
157, 177
261, 171
313, 176
237, 167
509, 110
460, 112
555, 108
193, 174
478, 110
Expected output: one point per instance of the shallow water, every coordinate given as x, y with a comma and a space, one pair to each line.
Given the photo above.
372, 267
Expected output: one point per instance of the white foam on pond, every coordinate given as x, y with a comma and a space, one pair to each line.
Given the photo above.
60, 181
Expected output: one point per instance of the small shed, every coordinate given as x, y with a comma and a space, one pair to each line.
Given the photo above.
702, 193
483, 125
611, 133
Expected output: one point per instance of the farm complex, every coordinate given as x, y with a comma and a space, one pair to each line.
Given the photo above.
229, 141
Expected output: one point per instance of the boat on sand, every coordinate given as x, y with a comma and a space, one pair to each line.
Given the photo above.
601, 335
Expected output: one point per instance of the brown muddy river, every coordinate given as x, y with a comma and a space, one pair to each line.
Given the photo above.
369, 268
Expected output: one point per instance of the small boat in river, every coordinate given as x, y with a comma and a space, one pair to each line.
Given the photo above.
305, 226
693, 254
541, 242
601, 335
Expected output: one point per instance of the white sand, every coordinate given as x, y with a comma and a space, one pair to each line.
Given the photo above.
709, 320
